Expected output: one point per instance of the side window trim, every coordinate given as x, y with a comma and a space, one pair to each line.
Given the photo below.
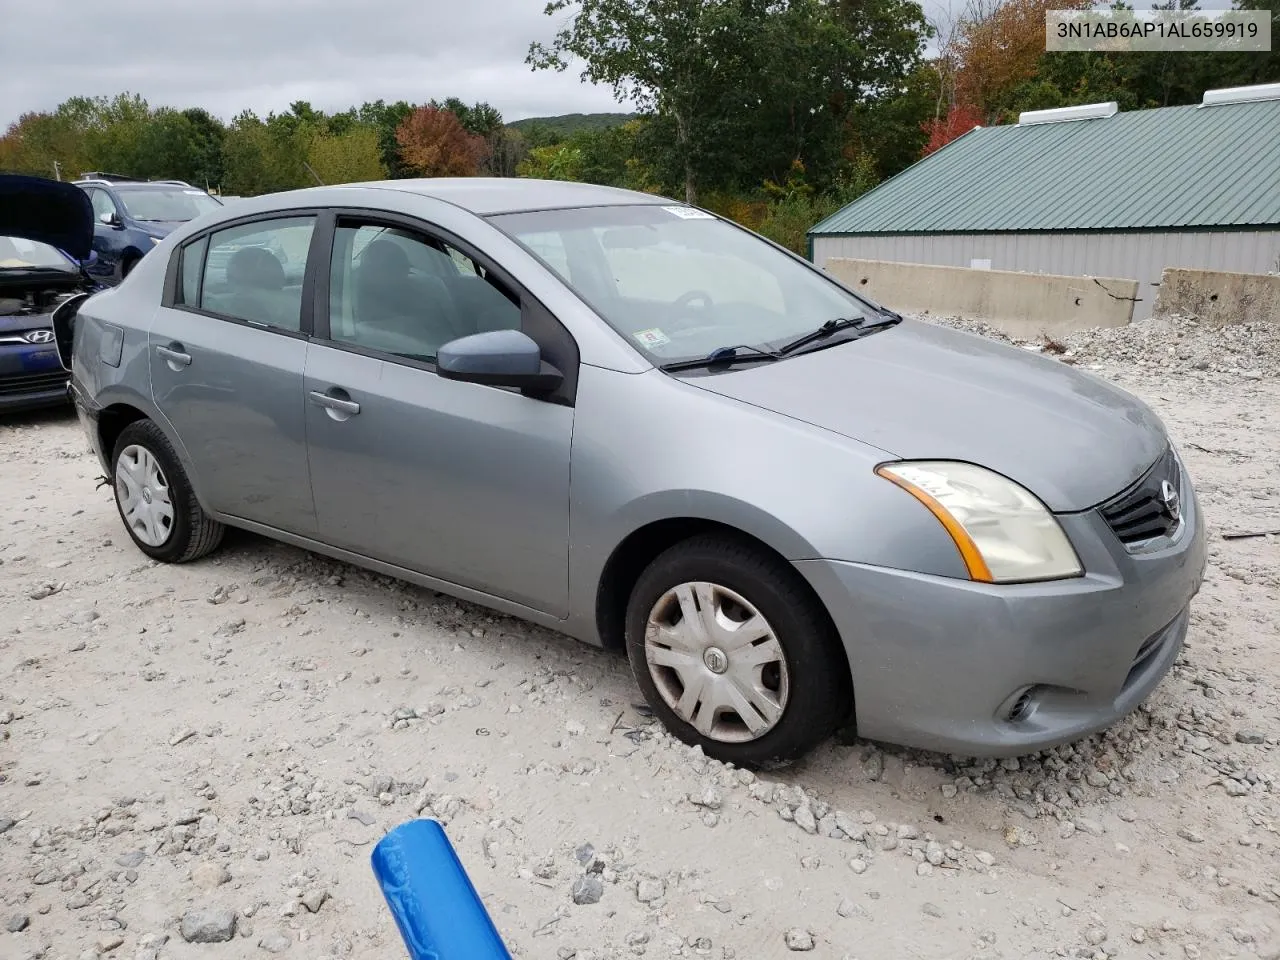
536, 320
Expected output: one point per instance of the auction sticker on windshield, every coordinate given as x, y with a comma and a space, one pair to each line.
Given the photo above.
652, 337
689, 213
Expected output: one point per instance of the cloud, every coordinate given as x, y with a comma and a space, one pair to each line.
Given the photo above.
238, 54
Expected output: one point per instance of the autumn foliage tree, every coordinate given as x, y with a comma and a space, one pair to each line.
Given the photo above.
958, 120
434, 143
999, 49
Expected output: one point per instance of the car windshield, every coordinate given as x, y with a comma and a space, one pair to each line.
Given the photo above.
180, 203
19, 253
678, 282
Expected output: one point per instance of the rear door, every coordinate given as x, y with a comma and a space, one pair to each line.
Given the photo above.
227, 352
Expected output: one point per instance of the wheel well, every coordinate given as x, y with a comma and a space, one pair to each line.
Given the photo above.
111, 423
638, 550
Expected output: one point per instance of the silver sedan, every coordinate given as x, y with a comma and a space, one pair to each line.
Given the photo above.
632, 421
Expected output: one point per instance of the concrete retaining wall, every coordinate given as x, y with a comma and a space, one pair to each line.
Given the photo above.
1024, 305
1219, 297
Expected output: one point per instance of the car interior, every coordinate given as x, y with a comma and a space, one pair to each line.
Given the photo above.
255, 288
393, 291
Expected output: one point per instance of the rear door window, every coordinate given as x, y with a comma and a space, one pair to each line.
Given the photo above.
254, 272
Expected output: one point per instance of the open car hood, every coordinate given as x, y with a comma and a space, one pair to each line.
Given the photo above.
47, 211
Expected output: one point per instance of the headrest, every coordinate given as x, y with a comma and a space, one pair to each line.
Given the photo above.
384, 259
255, 267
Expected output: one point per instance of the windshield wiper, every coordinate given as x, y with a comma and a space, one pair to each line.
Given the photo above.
722, 356
822, 332
829, 327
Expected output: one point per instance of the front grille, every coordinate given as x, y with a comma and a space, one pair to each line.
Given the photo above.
1149, 508
16, 385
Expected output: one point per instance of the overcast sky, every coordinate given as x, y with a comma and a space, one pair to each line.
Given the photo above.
265, 54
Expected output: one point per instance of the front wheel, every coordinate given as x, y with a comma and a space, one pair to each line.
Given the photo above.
155, 499
734, 653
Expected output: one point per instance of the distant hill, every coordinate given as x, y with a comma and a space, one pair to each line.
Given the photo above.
570, 123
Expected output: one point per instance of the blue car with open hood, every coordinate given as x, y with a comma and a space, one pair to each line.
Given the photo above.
46, 236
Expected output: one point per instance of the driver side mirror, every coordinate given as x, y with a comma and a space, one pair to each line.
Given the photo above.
498, 358
109, 218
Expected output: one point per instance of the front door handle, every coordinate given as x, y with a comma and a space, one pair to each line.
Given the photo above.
338, 404
175, 355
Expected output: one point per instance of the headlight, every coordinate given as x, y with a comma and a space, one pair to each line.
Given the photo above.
1003, 533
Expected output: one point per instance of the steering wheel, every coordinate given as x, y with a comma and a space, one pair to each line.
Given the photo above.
682, 302
691, 323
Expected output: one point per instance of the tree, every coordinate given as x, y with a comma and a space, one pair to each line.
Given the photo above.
505, 148
264, 157
999, 50
433, 143
36, 141
207, 136
386, 119
960, 119
678, 58
560, 162
352, 157
738, 90
480, 118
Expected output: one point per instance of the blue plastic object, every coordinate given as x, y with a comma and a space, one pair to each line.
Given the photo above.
435, 906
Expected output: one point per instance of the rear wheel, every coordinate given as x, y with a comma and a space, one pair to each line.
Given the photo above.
734, 653
155, 499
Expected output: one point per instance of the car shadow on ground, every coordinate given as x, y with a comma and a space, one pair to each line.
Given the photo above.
35, 417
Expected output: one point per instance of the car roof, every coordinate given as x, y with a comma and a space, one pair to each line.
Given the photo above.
485, 196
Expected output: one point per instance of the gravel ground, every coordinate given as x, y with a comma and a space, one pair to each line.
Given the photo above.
196, 761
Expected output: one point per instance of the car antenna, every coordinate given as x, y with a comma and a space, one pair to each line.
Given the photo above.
313, 173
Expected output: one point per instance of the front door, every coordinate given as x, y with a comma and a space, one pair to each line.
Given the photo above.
466, 483
227, 361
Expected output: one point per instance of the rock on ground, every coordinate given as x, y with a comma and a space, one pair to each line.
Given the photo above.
284, 710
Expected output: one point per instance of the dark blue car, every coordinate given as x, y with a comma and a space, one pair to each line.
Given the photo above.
46, 229
132, 216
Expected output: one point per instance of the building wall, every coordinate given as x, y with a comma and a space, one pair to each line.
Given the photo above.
1140, 256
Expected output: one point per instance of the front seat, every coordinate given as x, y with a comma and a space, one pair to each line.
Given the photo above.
255, 279
390, 299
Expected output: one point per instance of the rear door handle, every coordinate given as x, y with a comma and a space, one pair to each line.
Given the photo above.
174, 354
330, 402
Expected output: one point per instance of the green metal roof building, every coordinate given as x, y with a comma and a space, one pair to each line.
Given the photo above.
1087, 191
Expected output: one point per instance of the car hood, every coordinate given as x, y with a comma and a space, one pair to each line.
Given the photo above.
47, 211
920, 391
161, 228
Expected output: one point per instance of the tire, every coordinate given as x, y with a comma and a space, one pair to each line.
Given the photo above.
804, 690
144, 461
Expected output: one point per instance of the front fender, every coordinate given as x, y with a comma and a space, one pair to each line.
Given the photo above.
648, 447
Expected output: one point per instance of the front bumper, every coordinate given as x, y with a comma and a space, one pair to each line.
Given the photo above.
981, 670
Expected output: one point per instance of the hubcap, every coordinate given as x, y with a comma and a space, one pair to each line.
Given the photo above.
716, 662
143, 495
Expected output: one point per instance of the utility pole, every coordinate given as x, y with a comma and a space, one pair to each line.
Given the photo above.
57, 170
